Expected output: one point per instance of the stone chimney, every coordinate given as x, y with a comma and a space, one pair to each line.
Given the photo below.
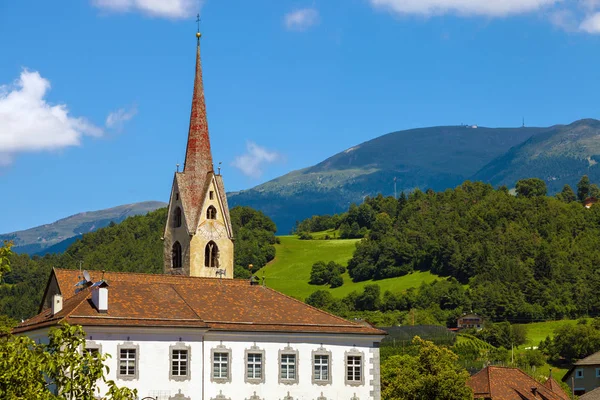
57, 304
100, 297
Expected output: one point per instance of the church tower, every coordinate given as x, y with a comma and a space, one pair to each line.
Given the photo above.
198, 238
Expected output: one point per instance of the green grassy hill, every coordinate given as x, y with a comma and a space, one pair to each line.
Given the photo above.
290, 271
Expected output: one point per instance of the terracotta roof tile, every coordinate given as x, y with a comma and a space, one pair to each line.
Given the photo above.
502, 383
136, 299
592, 395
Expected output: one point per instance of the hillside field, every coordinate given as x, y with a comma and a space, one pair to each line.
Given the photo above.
289, 272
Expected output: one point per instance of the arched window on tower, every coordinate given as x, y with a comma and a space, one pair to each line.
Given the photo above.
177, 217
177, 261
211, 213
211, 255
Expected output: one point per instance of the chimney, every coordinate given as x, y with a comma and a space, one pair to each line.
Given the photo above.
57, 303
100, 297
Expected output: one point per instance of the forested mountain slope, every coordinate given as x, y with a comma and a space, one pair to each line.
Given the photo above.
437, 158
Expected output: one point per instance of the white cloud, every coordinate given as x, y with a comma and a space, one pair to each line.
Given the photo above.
564, 19
252, 163
117, 119
591, 24
301, 20
29, 123
157, 8
494, 8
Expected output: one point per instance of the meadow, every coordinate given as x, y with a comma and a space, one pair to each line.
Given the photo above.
289, 272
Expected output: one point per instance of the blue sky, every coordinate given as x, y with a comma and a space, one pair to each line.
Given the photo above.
95, 94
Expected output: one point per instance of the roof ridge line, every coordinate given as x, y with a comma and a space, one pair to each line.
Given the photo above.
236, 280
186, 303
321, 311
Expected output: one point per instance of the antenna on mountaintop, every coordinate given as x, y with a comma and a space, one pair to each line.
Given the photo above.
523, 122
395, 197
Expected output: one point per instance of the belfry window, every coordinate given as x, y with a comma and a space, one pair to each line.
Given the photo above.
211, 213
211, 255
177, 256
177, 217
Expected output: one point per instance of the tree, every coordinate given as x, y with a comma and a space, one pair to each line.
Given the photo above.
432, 374
28, 370
567, 194
583, 188
532, 187
5, 253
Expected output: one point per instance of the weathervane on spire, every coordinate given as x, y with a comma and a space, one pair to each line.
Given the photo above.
198, 34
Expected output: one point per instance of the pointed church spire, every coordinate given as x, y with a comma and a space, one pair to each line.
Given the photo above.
198, 157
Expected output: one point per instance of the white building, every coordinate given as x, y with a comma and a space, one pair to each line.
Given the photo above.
180, 337
187, 335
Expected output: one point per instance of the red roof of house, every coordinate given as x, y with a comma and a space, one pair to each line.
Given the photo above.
503, 383
136, 299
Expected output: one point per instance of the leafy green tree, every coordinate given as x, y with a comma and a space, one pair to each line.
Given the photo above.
503, 334
583, 188
29, 370
594, 190
532, 187
572, 342
5, 253
432, 374
567, 194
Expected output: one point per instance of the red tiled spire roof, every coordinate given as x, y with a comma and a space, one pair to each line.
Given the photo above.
198, 157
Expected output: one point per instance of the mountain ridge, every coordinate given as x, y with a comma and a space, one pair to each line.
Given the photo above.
39, 239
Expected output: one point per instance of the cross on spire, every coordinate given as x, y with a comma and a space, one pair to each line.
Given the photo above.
198, 34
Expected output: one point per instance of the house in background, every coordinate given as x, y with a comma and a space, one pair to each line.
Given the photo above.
584, 375
589, 202
470, 321
503, 383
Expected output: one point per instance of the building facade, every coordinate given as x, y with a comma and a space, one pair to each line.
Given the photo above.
194, 332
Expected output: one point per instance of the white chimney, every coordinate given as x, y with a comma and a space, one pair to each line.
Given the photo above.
57, 303
100, 298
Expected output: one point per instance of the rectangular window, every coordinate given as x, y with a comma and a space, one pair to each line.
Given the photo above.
127, 362
354, 369
579, 373
221, 365
94, 351
597, 372
179, 364
288, 367
211, 195
321, 364
254, 367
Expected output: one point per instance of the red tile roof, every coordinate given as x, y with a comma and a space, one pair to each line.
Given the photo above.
502, 383
136, 299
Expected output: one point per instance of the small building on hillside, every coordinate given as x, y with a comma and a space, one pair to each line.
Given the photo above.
589, 202
504, 383
584, 375
470, 321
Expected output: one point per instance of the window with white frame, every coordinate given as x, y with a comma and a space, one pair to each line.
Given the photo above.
255, 361
221, 365
321, 367
579, 373
179, 362
128, 368
354, 369
254, 366
288, 366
